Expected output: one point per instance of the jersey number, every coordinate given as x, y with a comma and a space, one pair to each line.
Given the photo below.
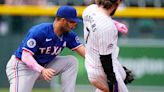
87, 35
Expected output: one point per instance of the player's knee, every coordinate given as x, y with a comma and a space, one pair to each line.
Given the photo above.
73, 61
93, 81
98, 84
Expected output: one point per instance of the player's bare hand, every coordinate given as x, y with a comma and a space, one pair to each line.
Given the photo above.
47, 74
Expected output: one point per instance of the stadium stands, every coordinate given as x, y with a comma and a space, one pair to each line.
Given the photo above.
131, 3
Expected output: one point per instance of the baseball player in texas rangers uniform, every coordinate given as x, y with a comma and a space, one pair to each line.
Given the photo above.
37, 55
100, 34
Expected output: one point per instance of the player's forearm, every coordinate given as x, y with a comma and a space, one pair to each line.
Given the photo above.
28, 59
81, 51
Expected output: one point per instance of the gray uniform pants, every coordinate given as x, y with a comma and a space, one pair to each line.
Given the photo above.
22, 78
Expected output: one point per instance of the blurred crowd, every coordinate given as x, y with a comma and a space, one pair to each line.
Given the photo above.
47, 2
131, 3
26, 2
11, 24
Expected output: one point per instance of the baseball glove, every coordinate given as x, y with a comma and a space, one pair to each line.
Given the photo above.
129, 76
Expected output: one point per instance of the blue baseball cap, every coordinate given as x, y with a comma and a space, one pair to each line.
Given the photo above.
68, 12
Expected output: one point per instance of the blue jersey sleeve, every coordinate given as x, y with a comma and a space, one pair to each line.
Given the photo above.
74, 41
33, 39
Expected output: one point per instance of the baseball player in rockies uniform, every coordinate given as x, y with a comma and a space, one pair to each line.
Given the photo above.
100, 34
37, 55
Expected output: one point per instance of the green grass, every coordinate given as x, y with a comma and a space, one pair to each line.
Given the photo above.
140, 52
89, 89
34, 90
78, 89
